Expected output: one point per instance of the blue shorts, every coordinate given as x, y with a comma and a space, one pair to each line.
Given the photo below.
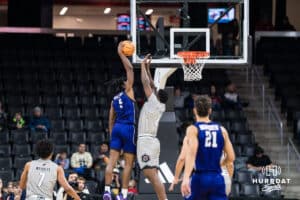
123, 137
207, 186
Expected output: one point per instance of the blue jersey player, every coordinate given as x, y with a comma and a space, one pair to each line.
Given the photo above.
122, 129
206, 142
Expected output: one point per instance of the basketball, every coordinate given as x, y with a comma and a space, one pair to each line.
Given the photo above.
128, 48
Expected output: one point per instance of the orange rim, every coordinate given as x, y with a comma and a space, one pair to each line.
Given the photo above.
189, 57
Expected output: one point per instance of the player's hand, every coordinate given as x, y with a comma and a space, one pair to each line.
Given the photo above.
146, 60
175, 182
120, 46
185, 188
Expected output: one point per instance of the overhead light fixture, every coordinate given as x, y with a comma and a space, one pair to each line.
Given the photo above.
149, 11
63, 11
107, 11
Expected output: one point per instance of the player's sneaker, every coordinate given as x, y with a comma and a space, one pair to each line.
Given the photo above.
120, 197
107, 196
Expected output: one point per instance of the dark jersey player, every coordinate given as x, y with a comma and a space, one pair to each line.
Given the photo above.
122, 128
206, 142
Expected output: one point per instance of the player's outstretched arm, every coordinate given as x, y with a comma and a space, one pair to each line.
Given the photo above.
128, 68
179, 164
63, 182
24, 176
229, 151
145, 78
192, 141
148, 63
111, 119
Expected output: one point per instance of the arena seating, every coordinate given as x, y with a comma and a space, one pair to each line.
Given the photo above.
68, 79
280, 57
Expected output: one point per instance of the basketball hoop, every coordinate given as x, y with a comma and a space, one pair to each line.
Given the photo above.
193, 63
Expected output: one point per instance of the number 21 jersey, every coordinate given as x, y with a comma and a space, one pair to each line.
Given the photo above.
210, 148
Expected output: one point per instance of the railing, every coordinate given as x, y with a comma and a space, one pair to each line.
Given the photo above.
258, 89
292, 155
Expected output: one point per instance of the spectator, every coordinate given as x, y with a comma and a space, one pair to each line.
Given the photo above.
62, 160
82, 161
2, 193
259, 160
72, 179
17, 121
132, 187
285, 25
116, 182
17, 191
80, 188
101, 158
38, 122
216, 99
10, 191
231, 97
179, 98
3, 117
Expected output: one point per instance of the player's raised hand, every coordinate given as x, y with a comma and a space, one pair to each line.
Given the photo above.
186, 188
146, 60
120, 46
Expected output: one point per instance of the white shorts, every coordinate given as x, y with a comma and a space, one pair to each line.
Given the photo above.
148, 151
227, 180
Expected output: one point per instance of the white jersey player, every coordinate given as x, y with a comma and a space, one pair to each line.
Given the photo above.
40, 176
148, 146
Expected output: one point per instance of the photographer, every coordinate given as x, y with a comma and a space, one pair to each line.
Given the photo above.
79, 187
116, 182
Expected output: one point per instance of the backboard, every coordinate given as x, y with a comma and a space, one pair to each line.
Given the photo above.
164, 27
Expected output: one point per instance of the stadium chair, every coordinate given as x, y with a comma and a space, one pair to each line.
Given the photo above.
57, 125
19, 163
32, 100
92, 186
14, 100
237, 150
104, 112
5, 150
61, 148
234, 115
77, 137
71, 112
297, 131
49, 88
35, 137
74, 125
102, 101
244, 177
51, 101
235, 190
5, 164
94, 126
217, 116
84, 89
53, 112
250, 190
6, 176
90, 113
59, 137
19, 137
87, 100
4, 137
22, 150
248, 150
239, 127
67, 89
232, 138
96, 137
70, 101
244, 139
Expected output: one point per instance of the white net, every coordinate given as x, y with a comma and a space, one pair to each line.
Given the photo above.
193, 72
